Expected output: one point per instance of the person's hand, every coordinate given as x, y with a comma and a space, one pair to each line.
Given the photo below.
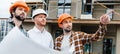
104, 19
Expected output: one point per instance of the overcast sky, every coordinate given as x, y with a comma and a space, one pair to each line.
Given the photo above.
4, 8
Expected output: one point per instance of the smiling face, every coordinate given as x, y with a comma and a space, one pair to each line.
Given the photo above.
66, 24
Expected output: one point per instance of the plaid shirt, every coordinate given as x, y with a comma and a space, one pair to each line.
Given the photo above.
80, 38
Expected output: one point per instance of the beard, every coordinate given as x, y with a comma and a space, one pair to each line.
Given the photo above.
19, 18
68, 29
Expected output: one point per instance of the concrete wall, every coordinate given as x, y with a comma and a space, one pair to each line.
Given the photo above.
118, 40
98, 11
75, 8
117, 9
99, 48
53, 8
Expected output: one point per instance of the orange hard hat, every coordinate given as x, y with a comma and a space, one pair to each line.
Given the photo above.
17, 4
63, 17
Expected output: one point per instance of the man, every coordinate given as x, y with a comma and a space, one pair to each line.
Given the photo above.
74, 41
39, 33
18, 11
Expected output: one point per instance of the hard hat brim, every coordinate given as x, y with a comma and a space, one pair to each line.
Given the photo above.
19, 5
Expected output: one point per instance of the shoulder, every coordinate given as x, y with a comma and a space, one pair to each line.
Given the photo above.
59, 37
30, 31
48, 34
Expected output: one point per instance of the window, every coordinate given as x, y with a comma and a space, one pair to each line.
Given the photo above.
107, 46
87, 48
33, 6
61, 1
90, 29
64, 6
108, 1
110, 8
68, 1
5, 27
86, 6
46, 2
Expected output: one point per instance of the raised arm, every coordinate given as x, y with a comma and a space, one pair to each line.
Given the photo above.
98, 35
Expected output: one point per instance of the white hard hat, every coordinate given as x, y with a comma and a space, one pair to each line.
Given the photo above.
39, 11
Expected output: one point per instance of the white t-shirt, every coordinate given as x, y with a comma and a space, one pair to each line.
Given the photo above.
66, 44
43, 38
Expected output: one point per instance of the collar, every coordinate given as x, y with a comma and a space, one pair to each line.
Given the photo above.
69, 34
37, 30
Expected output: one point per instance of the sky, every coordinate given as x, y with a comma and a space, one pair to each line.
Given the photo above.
4, 8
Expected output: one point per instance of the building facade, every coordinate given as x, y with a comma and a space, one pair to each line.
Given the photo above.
86, 15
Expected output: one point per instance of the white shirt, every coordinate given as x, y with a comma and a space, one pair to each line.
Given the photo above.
43, 38
66, 44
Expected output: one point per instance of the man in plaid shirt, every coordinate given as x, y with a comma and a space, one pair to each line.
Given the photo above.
73, 42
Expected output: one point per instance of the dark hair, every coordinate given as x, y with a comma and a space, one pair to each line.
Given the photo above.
11, 22
12, 11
